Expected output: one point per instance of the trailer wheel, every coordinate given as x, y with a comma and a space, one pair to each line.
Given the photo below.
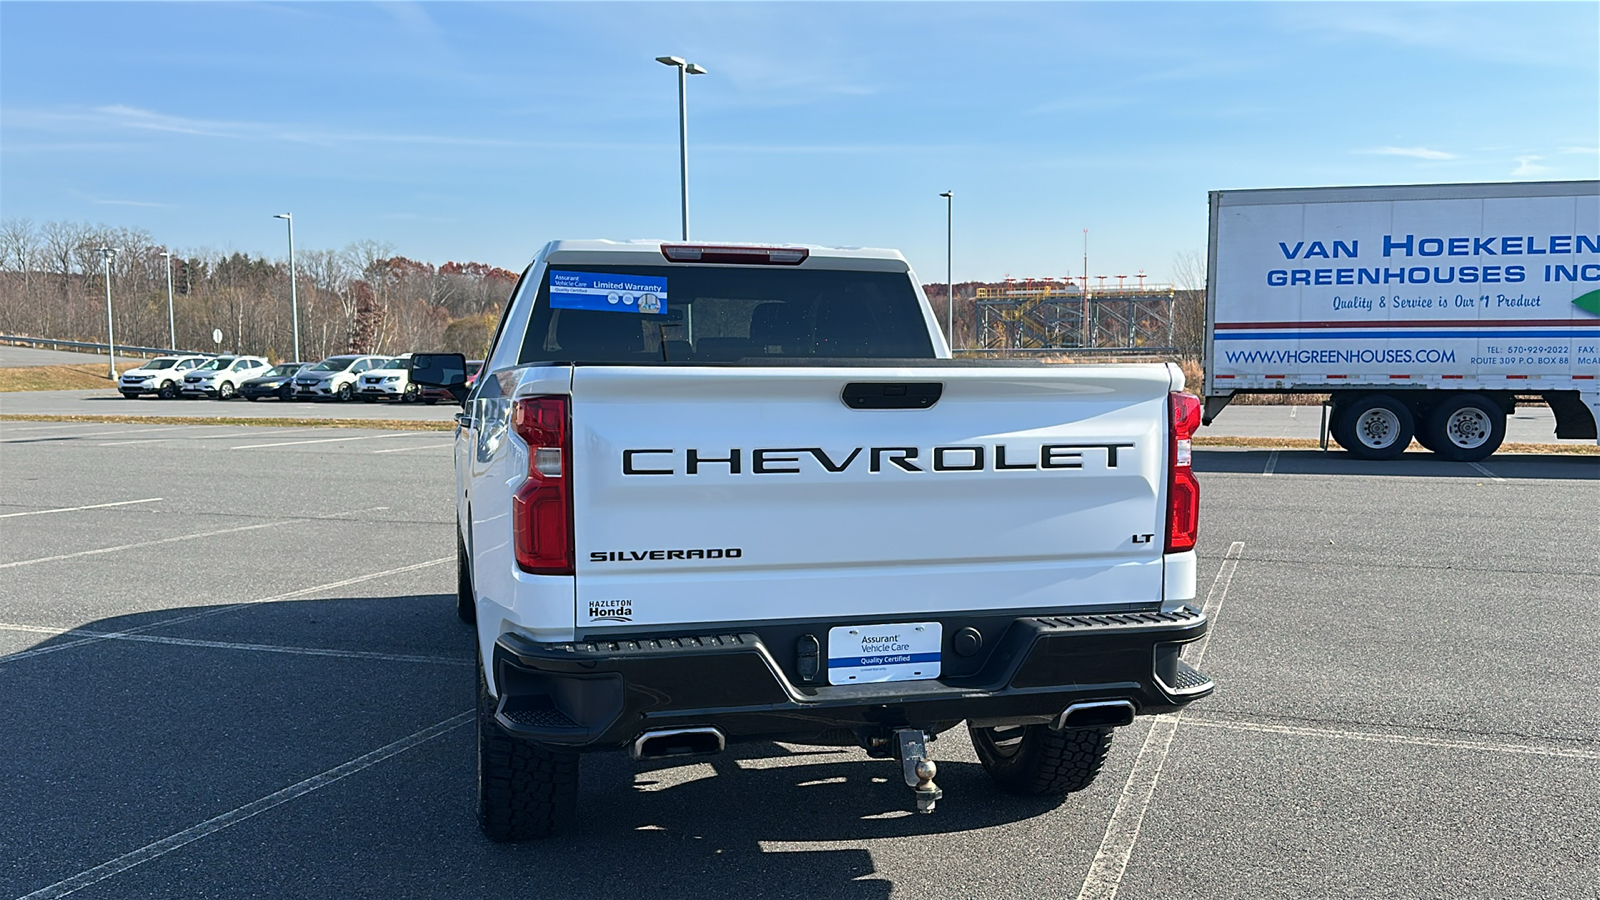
1466, 428
1376, 426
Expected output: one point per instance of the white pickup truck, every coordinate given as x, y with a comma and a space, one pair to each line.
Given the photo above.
742, 493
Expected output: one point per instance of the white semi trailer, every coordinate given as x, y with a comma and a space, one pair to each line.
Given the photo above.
1425, 311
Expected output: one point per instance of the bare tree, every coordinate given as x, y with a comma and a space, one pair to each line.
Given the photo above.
1189, 312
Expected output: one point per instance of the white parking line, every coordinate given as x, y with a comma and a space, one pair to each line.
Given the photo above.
418, 447
70, 434
1122, 831
1272, 463
43, 512
174, 620
170, 540
367, 437
232, 433
181, 537
1413, 740
1492, 476
234, 816
233, 645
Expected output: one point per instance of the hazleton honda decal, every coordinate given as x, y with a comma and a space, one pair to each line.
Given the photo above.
789, 460
610, 610
600, 556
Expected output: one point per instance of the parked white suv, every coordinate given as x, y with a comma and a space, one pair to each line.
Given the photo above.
162, 376
335, 377
389, 381
221, 377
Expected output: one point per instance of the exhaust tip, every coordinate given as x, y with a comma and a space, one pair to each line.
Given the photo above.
1095, 714
669, 742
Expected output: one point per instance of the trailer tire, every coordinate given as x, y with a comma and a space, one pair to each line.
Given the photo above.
525, 790
1374, 426
1466, 428
1034, 761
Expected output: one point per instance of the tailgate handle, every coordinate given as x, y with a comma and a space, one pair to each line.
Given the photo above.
892, 394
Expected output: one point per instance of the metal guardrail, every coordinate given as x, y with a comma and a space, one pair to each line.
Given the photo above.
98, 348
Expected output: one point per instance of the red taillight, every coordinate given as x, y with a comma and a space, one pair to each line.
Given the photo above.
541, 510
1183, 491
741, 256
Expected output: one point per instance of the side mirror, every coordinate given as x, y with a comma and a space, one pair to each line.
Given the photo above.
441, 370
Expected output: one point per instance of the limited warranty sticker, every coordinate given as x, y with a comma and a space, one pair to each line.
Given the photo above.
864, 653
608, 293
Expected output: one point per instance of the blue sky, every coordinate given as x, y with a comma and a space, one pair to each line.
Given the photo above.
479, 131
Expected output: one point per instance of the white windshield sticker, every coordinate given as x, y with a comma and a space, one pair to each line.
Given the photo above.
608, 293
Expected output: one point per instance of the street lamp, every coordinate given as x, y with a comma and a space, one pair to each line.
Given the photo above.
111, 336
685, 69
294, 300
172, 323
949, 263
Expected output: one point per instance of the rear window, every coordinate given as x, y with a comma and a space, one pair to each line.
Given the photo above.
646, 314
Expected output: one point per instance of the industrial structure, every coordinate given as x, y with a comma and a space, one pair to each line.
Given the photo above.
1057, 314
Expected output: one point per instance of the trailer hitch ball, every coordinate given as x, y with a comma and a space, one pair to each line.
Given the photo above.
927, 792
911, 745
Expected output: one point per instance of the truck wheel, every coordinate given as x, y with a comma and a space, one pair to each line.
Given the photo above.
1033, 761
1374, 427
466, 604
525, 790
1466, 428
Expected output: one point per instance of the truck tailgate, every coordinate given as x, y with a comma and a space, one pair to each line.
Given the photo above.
711, 495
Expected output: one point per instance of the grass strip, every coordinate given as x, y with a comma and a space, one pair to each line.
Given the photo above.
1248, 443
258, 421
71, 377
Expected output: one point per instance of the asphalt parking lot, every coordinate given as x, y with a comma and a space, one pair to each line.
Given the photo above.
230, 666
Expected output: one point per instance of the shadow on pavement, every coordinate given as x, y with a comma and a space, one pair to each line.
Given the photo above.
1420, 464
115, 743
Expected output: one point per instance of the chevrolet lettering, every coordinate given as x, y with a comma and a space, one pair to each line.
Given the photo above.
790, 460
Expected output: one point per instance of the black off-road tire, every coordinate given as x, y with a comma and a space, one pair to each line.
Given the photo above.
466, 602
1034, 761
525, 790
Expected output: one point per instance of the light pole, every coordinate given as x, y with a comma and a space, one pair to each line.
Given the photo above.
685, 69
111, 336
294, 300
172, 323
949, 263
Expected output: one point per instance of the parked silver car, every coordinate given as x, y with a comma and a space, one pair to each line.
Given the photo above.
335, 377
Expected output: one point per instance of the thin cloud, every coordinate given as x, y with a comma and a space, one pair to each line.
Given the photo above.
1589, 150
1529, 165
1412, 152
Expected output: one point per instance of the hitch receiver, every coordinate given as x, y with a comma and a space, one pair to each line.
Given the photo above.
911, 746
